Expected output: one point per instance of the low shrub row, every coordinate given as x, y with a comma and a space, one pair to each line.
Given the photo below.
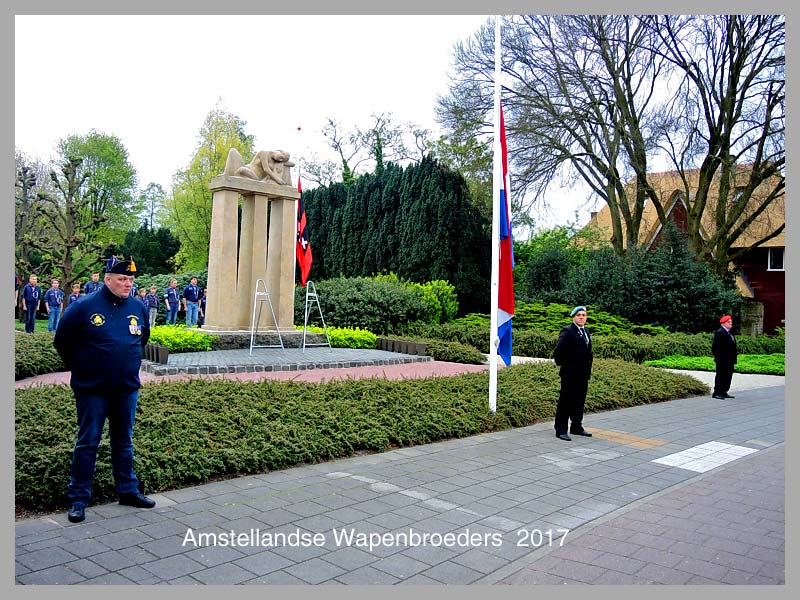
180, 339
760, 364
34, 354
345, 337
191, 431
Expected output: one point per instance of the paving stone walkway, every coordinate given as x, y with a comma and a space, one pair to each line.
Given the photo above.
487, 509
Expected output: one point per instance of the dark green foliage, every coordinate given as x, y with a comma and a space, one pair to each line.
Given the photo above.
151, 249
343, 337
378, 306
34, 354
416, 222
191, 431
554, 317
666, 287
454, 352
763, 364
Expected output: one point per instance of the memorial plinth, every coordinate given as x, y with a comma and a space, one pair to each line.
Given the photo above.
263, 249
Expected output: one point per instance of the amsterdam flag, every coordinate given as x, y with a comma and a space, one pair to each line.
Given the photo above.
303, 247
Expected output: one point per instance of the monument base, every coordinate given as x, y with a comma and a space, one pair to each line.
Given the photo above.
234, 340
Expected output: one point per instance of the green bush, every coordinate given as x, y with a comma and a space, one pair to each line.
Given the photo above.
34, 354
361, 302
342, 337
554, 317
761, 364
454, 352
180, 339
189, 432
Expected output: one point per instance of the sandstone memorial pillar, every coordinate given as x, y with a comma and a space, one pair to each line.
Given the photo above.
263, 249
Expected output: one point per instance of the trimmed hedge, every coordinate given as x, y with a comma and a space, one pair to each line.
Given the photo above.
34, 354
191, 431
343, 337
761, 364
180, 339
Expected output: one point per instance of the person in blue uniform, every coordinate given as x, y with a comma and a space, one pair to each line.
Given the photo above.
172, 300
191, 297
201, 317
53, 300
31, 297
573, 354
152, 305
100, 340
723, 347
75, 295
93, 284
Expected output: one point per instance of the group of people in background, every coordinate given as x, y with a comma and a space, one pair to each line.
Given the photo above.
193, 299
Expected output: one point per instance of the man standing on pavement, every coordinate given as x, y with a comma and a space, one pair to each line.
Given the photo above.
724, 350
573, 354
191, 297
100, 340
93, 285
173, 302
53, 299
31, 296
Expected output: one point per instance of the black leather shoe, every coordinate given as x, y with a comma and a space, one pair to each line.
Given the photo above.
564, 436
583, 432
728, 396
137, 500
718, 397
76, 512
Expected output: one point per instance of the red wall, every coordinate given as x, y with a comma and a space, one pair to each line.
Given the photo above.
769, 287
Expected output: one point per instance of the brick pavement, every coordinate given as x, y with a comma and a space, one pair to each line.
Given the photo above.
631, 519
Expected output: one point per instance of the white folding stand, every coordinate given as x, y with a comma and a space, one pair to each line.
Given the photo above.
312, 295
262, 296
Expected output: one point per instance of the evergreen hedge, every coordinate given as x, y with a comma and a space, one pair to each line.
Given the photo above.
189, 432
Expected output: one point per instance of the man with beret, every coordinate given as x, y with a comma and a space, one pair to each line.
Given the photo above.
724, 350
100, 340
573, 354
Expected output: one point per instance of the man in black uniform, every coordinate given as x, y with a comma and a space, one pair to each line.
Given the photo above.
573, 354
100, 339
724, 350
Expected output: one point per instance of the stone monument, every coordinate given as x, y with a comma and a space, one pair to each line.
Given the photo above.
265, 248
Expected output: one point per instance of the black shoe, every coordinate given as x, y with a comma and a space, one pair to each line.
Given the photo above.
728, 396
582, 432
718, 397
137, 500
564, 436
76, 512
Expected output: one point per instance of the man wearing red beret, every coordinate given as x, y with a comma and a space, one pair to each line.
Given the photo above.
724, 350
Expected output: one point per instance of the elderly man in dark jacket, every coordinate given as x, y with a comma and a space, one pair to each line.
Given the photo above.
573, 354
724, 350
100, 340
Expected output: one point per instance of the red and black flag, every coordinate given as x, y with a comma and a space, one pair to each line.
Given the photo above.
303, 246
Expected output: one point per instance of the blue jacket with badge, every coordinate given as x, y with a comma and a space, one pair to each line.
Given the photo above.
100, 339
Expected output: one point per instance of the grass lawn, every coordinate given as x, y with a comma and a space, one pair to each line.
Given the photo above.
760, 364
40, 325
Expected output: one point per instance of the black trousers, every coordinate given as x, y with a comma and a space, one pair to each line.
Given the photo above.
722, 380
571, 399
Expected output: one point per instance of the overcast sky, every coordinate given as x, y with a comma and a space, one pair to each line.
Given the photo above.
151, 80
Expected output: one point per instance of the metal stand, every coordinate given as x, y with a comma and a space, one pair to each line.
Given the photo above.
313, 295
260, 298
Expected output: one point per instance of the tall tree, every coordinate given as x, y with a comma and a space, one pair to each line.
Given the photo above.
86, 204
152, 197
600, 99
153, 249
189, 208
29, 183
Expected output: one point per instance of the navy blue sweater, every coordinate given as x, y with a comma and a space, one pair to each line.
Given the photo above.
100, 339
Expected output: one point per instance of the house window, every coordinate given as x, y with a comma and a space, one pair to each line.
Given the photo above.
775, 259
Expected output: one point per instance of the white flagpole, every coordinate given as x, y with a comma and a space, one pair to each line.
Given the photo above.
497, 179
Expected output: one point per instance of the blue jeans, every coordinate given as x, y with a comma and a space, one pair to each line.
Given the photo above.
30, 318
172, 314
191, 313
52, 318
93, 410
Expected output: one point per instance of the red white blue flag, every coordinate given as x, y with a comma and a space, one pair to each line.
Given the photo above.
505, 297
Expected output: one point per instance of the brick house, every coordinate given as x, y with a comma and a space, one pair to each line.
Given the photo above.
760, 271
